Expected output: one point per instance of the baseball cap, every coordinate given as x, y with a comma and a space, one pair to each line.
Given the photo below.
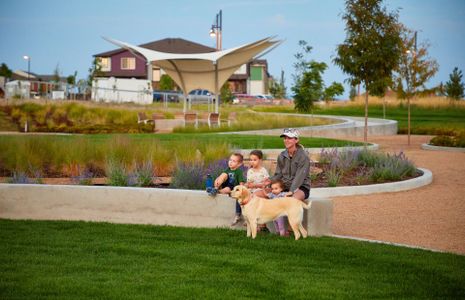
290, 132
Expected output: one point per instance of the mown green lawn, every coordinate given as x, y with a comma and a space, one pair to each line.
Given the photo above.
79, 260
241, 141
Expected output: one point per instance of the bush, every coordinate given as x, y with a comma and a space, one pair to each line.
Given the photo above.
456, 139
188, 176
143, 174
392, 168
116, 174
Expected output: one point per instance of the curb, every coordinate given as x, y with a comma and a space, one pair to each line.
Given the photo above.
441, 148
276, 152
398, 186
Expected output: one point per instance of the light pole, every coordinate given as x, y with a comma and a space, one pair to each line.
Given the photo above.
28, 58
216, 30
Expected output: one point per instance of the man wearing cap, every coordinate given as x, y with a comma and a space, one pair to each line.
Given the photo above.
293, 166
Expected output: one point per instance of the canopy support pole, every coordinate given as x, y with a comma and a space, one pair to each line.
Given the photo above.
183, 86
217, 100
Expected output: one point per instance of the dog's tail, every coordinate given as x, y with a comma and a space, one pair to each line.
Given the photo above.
306, 205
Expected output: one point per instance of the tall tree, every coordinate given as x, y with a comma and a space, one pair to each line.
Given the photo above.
308, 82
454, 87
415, 68
371, 49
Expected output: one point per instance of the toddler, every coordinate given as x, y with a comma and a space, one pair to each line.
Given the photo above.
277, 187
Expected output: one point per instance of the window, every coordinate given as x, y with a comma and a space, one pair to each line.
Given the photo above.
105, 64
128, 63
156, 75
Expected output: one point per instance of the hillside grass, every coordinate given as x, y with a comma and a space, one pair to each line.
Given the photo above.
79, 260
430, 116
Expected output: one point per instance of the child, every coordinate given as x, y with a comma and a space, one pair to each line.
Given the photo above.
256, 175
277, 187
231, 177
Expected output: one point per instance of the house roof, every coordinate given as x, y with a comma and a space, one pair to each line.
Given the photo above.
168, 45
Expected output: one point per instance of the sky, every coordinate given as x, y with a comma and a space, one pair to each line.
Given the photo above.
68, 33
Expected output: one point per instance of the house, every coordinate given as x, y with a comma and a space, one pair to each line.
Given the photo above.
250, 78
40, 85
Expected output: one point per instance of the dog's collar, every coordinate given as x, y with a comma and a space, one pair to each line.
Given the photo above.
246, 201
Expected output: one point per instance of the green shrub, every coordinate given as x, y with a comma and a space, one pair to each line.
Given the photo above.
116, 174
144, 174
456, 139
392, 168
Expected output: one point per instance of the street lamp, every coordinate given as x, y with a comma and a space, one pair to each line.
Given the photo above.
28, 58
216, 30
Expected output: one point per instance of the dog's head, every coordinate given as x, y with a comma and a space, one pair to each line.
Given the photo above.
240, 193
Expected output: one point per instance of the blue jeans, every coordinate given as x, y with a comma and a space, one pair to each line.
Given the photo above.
238, 208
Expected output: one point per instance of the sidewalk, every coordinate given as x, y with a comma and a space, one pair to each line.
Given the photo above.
431, 217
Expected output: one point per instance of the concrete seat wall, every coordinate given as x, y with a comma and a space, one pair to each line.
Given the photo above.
134, 206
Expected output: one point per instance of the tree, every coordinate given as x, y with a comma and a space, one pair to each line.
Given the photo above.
71, 79
371, 49
308, 82
226, 95
415, 68
94, 71
56, 74
166, 83
278, 90
5, 71
335, 89
454, 87
352, 93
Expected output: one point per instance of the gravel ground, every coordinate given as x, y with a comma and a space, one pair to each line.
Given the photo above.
432, 217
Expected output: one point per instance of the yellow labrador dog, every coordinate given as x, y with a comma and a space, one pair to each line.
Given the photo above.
258, 210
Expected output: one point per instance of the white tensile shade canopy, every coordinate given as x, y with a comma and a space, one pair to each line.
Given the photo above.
202, 70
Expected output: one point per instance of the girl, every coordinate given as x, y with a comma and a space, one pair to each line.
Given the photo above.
257, 175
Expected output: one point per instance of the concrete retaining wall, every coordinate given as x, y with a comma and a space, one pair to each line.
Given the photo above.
347, 127
134, 205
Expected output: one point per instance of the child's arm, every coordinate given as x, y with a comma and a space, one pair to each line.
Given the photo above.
220, 179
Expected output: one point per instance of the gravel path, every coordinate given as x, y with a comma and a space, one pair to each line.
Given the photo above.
432, 217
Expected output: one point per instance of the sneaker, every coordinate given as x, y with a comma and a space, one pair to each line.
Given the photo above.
212, 192
237, 219
263, 229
